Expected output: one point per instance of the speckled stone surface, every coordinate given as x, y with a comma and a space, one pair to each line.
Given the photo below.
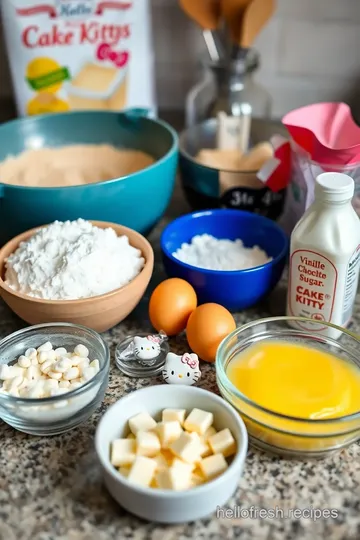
51, 488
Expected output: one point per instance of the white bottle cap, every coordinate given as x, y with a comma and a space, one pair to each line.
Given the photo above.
334, 187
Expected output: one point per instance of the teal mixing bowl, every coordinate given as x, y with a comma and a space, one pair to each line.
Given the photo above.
137, 201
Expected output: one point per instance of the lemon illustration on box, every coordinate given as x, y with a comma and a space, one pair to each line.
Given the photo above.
45, 76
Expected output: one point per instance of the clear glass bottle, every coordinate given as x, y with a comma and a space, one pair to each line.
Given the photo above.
228, 86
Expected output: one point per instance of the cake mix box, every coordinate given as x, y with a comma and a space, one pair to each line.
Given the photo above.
71, 55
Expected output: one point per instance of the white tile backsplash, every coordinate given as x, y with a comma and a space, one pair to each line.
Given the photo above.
309, 52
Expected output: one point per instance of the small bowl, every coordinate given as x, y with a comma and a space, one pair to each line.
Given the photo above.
209, 187
52, 416
238, 289
165, 506
280, 434
97, 312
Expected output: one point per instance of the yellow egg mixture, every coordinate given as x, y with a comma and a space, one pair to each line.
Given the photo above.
296, 381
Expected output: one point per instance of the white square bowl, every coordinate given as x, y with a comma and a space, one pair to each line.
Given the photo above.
165, 506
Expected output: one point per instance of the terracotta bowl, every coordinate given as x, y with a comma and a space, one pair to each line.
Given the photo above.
98, 312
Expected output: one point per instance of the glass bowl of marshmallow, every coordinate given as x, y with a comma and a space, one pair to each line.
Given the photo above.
52, 377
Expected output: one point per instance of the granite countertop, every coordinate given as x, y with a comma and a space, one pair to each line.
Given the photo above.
51, 488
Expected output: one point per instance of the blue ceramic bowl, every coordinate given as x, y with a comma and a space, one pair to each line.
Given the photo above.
137, 201
237, 289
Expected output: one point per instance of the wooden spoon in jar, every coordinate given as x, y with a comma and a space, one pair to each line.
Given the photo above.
255, 17
233, 11
207, 14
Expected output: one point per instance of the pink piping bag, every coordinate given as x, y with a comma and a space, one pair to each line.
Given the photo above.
326, 131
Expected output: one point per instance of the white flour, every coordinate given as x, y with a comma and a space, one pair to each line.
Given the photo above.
72, 259
208, 252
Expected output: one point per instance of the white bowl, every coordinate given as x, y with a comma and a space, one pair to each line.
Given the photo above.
160, 505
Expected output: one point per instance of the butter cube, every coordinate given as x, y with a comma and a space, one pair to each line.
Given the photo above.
223, 443
161, 462
124, 471
141, 422
174, 415
186, 448
147, 443
188, 468
205, 449
213, 466
209, 432
198, 421
131, 436
174, 479
142, 471
168, 432
123, 452
197, 479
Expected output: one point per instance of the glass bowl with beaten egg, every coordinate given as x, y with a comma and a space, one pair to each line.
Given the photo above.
296, 384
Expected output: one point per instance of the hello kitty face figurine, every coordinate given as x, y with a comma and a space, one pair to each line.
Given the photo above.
146, 348
181, 369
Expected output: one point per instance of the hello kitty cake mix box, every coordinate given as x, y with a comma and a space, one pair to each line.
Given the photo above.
72, 55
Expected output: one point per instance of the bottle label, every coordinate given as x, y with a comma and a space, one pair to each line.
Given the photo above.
313, 281
351, 283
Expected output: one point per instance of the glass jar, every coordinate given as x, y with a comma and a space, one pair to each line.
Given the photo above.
228, 86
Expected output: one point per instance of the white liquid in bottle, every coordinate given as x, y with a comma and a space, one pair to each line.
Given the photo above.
325, 257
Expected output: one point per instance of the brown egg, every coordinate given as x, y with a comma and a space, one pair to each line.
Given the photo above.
206, 328
171, 305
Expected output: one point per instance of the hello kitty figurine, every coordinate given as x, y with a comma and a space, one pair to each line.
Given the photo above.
181, 369
146, 348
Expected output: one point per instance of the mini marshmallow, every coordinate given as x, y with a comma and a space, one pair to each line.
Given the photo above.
42, 357
34, 361
30, 352
72, 373
81, 350
83, 365
47, 346
15, 383
5, 372
24, 361
88, 373
36, 391
33, 373
75, 385
95, 364
60, 351
51, 355
76, 360
62, 365
54, 375
46, 366
64, 384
